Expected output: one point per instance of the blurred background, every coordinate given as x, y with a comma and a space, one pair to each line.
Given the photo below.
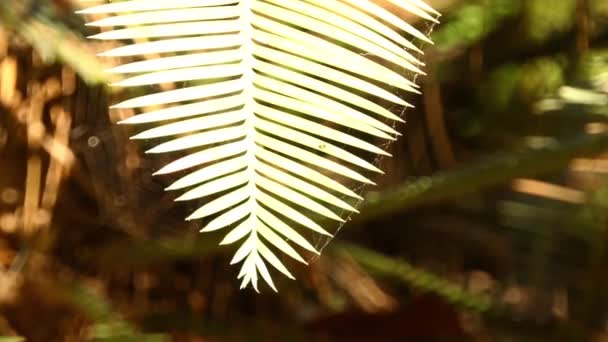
490, 224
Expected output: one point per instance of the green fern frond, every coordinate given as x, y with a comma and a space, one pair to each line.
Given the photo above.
263, 77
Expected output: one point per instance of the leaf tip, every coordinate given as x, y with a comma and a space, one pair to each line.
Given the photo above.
170, 187
139, 136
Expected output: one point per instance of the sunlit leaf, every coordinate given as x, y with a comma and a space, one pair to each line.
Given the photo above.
279, 101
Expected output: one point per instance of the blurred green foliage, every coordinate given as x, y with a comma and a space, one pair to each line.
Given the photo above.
42, 25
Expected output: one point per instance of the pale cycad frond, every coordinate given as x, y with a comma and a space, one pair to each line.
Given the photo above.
279, 96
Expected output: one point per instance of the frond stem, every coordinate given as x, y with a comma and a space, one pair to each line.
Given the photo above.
248, 78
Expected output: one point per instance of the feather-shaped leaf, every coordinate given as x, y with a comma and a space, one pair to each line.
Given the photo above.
279, 104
